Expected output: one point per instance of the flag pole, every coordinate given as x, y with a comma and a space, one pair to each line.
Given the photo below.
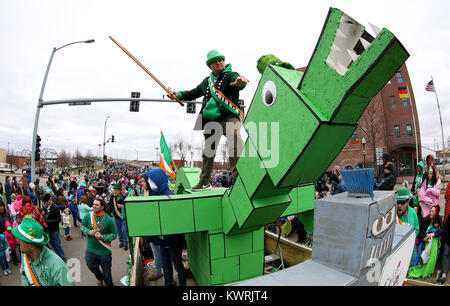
442, 129
415, 130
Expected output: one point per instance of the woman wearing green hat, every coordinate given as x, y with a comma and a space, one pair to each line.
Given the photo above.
220, 106
40, 266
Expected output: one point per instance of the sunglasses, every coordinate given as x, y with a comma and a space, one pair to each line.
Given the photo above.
401, 202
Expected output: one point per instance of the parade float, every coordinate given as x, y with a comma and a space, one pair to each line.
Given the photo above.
313, 114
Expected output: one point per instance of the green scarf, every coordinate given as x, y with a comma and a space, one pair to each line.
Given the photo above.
426, 270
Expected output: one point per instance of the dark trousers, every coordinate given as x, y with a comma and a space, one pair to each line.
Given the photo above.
14, 257
55, 241
75, 218
445, 257
95, 262
173, 256
4, 262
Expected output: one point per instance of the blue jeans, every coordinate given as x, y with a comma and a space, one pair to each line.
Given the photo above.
173, 256
4, 262
156, 249
55, 241
122, 233
66, 231
94, 262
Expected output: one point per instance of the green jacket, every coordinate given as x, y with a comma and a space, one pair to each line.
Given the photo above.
410, 217
50, 270
222, 84
107, 229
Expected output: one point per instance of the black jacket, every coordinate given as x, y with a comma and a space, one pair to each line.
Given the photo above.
53, 217
424, 226
388, 182
222, 84
446, 232
110, 209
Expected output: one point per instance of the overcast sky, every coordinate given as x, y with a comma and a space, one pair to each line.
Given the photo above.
171, 38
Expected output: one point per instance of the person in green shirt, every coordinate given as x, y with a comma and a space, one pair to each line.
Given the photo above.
40, 266
405, 213
100, 231
220, 112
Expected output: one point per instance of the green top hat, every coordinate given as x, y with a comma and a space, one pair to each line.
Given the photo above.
118, 186
212, 56
403, 194
30, 231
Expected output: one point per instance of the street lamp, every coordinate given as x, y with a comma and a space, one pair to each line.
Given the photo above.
104, 136
41, 95
363, 141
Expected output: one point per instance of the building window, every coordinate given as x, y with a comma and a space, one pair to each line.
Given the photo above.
409, 130
405, 102
399, 77
393, 102
397, 131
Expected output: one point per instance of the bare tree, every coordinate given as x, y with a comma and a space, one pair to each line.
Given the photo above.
181, 148
89, 159
63, 160
370, 124
224, 152
78, 158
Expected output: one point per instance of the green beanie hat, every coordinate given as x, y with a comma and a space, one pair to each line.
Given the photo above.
271, 59
403, 194
212, 56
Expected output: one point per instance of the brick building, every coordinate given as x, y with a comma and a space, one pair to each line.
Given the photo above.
389, 124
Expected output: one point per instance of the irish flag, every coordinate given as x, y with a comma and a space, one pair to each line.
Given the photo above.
166, 158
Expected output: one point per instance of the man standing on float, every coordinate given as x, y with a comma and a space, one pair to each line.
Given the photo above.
220, 113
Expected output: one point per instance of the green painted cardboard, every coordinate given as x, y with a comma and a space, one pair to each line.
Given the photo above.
217, 246
138, 212
251, 265
177, 216
208, 214
307, 121
258, 239
238, 244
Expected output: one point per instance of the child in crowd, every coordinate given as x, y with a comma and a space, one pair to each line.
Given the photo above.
18, 203
3, 260
12, 243
66, 224
11, 210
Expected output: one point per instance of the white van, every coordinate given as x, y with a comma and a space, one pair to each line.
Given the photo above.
4, 167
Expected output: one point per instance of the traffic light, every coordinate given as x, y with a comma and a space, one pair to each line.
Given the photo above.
190, 108
104, 159
112, 138
37, 153
241, 104
134, 105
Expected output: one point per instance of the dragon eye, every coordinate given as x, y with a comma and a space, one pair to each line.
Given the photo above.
377, 227
383, 223
390, 216
269, 93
